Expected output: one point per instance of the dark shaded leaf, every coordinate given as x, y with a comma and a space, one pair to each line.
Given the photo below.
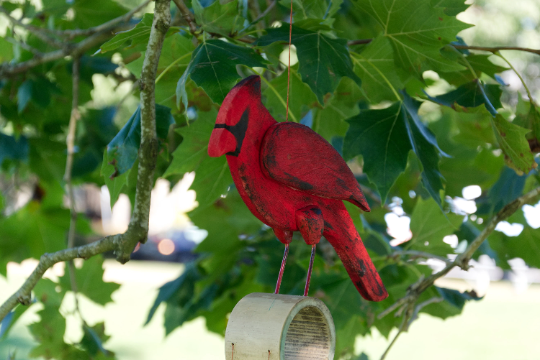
122, 151
13, 148
323, 60
380, 137
384, 138
205, 72
508, 188
452, 302
93, 339
471, 95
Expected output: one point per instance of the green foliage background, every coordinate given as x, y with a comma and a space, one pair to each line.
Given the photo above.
419, 118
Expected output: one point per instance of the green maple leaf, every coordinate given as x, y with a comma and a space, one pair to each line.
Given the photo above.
472, 95
323, 60
417, 32
514, 144
217, 18
89, 279
375, 66
385, 137
429, 226
524, 246
312, 9
138, 35
213, 67
212, 175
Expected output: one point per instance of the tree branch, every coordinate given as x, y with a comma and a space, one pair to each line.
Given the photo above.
187, 15
265, 12
495, 48
149, 143
413, 254
109, 25
77, 49
121, 244
462, 260
22, 295
40, 33
25, 46
70, 143
99, 34
491, 49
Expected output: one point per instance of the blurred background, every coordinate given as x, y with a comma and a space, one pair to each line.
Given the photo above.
504, 325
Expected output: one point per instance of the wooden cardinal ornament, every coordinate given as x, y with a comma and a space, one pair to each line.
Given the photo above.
293, 180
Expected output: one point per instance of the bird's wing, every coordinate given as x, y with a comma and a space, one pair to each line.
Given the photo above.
298, 157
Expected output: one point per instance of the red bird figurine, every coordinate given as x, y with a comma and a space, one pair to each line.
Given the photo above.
293, 180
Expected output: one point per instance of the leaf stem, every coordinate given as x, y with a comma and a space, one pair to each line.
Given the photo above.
498, 53
187, 15
70, 142
171, 65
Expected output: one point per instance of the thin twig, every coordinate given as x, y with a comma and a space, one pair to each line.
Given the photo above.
121, 244
533, 103
22, 296
265, 12
187, 15
70, 142
359, 42
491, 49
401, 328
109, 25
462, 260
25, 46
40, 33
77, 49
495, 49
100, 34
419, 254
149, 147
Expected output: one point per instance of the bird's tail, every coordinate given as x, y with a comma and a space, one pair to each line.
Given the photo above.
342, 235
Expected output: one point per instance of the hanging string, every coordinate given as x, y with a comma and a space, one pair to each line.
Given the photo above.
289, 65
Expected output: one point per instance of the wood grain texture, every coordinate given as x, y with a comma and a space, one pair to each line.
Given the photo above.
280, 169
280, 327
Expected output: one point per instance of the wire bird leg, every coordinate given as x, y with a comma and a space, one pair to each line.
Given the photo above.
282, 268
306, 289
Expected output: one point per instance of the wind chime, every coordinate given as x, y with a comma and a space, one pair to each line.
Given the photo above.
292, 180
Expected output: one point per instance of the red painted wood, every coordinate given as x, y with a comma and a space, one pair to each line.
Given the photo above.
311, 224
276, 198
286, 153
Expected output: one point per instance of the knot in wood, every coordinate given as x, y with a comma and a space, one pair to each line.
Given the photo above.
24, 300
162, 26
